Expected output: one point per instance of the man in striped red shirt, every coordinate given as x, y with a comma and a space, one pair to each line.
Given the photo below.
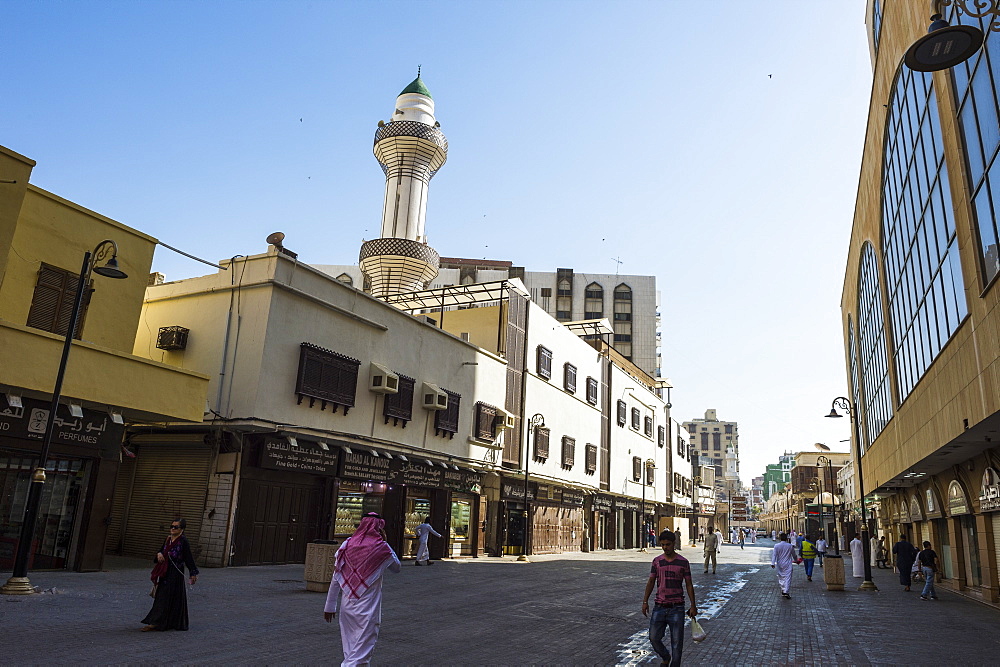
670, 573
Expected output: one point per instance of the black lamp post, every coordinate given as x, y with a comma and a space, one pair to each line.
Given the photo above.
18, 584
820, 462
537, 421
845, 405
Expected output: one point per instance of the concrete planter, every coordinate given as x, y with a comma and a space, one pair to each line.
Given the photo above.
320, 559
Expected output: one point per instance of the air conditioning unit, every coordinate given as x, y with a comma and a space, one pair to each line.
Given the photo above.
382, 380
433, 398
506, 419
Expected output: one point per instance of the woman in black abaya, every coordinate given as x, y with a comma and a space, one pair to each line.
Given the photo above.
170, 610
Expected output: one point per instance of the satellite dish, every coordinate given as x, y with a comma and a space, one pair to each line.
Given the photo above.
275, 239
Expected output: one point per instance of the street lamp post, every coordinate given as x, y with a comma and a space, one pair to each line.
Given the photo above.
845, 405
825, 461
18, 584
537, 421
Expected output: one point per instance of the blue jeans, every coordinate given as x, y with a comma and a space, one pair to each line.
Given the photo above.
821, 555
928, 591
659, 620
809, 563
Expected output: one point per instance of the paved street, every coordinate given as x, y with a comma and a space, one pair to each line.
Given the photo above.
574, 609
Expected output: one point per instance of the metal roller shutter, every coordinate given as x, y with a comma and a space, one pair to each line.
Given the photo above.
171, 480
995, 516
123, 487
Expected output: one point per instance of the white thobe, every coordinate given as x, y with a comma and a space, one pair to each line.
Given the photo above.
424, 531
360, 618
782, 558
718, 534
873, 550
858, 558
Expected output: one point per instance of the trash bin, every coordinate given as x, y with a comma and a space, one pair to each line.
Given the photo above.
320, 559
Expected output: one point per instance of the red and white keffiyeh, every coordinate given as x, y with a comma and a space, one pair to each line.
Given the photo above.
363, 557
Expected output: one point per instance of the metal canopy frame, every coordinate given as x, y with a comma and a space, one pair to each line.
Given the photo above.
599, 327
456, 295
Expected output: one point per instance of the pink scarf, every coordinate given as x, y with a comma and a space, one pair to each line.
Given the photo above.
363, 557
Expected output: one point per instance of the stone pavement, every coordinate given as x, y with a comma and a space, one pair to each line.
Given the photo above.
571, 609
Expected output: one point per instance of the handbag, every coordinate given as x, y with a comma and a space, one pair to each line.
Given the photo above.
698, 633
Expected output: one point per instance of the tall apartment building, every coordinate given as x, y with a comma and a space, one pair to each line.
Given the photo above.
630, 302
919, 308
710, 438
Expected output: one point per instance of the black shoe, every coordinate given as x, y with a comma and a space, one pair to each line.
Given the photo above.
923, 597
786, 596
430, 562
417, 563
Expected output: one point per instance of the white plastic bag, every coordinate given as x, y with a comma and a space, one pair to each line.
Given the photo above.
698, 633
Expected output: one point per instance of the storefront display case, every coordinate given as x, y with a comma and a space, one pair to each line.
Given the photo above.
354, 500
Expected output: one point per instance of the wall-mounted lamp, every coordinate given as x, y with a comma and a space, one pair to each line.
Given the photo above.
14, 400
322, 445
75, 410
292, 441
116, 416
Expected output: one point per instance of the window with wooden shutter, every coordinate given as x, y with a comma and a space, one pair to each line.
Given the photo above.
635, 418
568, 451
678, 487
622, 413
399, 406
569, 377
649, 475
661, 436
446, 421
591, 458
544, 365
541, 438
592, 391
680, 446
648, 426
326, 376
53, 298
636, 469
486, 421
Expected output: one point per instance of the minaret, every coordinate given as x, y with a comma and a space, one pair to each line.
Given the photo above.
411, 149
732, 474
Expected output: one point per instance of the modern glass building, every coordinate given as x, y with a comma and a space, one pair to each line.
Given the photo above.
920, 323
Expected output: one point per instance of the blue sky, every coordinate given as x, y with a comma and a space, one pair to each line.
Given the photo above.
715, 145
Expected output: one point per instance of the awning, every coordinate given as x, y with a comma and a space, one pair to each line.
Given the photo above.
456, 295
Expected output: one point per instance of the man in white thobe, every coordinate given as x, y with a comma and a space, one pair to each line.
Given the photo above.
782, 560
361, 562
873, 550
424, 531
858, 557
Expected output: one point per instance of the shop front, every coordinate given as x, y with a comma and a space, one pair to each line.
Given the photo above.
284, 499
557, 520
512, 525
80, 475
602, 513
406, 491
627, 522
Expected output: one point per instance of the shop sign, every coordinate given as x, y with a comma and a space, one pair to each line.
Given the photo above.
366, 466
904, 511
957, 502
933, 506
416, 474
627, 504
302, 457
916, 513
989, 497
95, 429
462, 480
514, 490
572, 497
600, 503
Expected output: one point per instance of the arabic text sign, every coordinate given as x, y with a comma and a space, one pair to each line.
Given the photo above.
94, 429
281, 455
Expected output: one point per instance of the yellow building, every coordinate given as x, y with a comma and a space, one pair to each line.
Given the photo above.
921, 326
43, 242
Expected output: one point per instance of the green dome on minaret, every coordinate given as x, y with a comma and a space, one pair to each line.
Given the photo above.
417, 86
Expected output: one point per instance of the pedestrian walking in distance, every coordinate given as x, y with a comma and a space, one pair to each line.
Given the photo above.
677, 539
670, 574
782, 560
170, 609
807, 552
858, 557
711, 549
361, 562
929, 566
903, 556
881, 555
821, 549
424, 531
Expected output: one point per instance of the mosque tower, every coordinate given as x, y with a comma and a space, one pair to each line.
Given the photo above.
732, 474
410, 148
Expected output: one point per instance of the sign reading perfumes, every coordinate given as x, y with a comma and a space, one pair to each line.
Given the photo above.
989, 496
94, 429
